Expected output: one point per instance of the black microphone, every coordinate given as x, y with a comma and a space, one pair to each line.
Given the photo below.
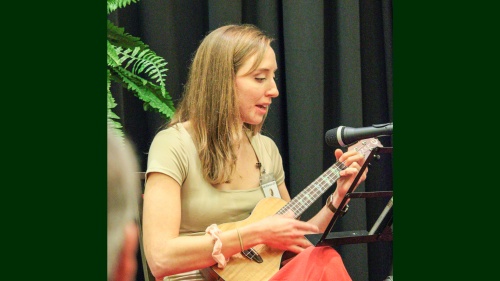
345, 136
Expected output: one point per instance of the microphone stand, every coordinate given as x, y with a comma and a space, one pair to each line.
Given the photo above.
329, 238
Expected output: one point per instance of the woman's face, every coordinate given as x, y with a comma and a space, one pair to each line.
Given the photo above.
256, 89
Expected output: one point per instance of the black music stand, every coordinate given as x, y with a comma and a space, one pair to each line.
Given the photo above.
376, 233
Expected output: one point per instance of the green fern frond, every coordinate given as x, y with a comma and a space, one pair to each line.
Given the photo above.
135, 54
113, 119
145, 61
111, 101
117, 128
108, 81
155, 96
111, 105
132, 64
115, 4
119, 38
113, 58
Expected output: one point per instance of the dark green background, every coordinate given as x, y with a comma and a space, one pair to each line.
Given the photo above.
445, 76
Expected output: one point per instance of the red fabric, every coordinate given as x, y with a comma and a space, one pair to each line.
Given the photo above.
314, 264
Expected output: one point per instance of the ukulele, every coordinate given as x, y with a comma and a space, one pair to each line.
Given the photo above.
261, 262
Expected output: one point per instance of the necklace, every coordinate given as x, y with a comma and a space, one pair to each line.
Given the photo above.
258, 164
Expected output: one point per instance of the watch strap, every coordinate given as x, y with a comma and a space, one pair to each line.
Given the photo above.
332, 208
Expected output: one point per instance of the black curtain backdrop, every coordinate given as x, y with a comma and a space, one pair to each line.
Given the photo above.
335, 68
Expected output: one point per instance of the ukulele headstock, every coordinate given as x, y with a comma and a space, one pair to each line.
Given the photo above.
365, 146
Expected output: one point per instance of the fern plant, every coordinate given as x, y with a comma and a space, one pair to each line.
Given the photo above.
133, 65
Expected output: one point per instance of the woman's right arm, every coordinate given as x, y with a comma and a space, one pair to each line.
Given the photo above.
167, 253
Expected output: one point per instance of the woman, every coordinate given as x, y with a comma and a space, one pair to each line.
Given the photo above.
206, 168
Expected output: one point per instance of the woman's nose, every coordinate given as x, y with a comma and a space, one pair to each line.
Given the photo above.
273, 90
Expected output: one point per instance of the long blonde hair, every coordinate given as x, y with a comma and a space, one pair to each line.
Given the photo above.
210, 102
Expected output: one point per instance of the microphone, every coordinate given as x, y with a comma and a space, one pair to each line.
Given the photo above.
345, 136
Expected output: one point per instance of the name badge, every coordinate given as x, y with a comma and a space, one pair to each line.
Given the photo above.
269, 186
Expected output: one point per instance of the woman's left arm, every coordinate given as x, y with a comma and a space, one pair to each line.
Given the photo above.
353, 160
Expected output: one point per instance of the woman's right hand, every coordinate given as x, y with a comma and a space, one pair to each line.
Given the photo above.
284, 232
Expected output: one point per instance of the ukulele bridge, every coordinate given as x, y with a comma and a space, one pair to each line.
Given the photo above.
251, 254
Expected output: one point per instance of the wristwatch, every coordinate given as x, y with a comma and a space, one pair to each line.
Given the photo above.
332, 208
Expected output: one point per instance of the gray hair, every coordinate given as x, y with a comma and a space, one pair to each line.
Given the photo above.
123, 194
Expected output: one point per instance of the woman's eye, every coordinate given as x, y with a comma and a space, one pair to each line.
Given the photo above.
260, 79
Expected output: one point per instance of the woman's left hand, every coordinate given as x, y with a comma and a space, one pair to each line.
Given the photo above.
353, 160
